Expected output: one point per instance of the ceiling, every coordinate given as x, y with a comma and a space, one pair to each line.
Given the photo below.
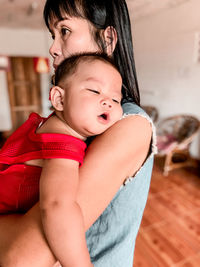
28, 13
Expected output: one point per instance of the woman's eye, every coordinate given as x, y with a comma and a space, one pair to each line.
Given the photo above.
64, 31
93, 91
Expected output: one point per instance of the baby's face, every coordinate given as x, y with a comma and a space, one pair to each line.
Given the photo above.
92, 99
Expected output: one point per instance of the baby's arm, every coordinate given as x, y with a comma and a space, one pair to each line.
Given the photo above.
61, 215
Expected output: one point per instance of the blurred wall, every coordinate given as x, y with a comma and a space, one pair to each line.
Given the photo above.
165, 52
23, 42
5, 116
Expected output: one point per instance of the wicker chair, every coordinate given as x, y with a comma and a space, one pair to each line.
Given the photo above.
152, 112
174, 136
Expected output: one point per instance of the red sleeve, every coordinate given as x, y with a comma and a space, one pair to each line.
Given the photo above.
25, 144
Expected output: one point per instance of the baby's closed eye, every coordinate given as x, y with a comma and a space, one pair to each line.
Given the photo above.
93, 91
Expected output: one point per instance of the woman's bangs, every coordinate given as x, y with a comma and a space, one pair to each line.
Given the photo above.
59, 9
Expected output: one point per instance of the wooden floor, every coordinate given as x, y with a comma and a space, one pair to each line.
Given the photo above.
170, 229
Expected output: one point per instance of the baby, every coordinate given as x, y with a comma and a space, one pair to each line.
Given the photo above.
41, 158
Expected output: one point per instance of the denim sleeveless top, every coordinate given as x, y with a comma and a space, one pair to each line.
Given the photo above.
111, 239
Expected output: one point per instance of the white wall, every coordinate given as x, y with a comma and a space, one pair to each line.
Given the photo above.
5, 116
23, 42
169, 77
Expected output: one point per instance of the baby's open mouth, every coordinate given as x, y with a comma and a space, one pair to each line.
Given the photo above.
104, 117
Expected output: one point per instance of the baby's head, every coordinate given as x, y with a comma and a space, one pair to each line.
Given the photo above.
87, 93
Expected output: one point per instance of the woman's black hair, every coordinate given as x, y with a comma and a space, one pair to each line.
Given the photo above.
101, 14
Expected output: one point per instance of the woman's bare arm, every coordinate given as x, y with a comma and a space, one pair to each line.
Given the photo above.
113, 156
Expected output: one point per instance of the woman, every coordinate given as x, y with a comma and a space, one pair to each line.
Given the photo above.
112, 203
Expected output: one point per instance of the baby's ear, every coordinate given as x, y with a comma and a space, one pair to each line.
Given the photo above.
57, 97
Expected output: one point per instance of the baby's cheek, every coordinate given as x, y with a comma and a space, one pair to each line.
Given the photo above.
120, 113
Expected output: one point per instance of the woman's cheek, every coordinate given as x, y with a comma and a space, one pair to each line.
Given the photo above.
65, 52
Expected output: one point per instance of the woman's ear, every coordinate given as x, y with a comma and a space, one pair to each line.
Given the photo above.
110, 38
57, 97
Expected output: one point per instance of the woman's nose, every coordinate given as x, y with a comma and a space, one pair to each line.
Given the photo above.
55, 49
106, 102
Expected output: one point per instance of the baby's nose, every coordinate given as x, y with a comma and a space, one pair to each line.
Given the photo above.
106, 103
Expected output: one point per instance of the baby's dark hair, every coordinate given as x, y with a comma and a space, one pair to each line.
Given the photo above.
70, 64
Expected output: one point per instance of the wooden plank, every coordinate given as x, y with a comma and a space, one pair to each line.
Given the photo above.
24, 90
170, 229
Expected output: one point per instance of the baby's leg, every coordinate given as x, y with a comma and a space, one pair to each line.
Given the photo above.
22, 242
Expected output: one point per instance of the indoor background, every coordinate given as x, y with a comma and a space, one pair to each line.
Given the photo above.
166, 37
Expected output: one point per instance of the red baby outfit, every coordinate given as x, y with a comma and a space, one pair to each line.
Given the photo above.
19, 183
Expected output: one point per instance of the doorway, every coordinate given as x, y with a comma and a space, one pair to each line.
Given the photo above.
24, 90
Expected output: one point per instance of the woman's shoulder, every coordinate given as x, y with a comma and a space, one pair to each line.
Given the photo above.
130, 108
